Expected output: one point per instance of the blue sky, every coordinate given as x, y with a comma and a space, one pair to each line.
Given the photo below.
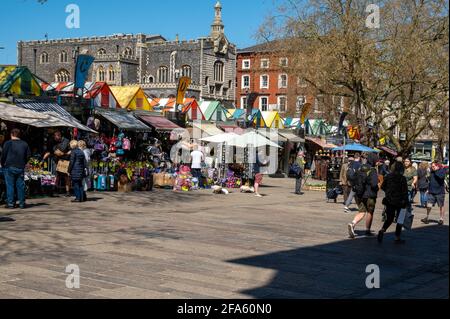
29, 20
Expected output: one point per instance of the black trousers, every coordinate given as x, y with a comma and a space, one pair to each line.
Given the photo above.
391, 213
298, 185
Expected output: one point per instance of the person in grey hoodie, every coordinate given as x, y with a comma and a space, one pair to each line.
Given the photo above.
366, 189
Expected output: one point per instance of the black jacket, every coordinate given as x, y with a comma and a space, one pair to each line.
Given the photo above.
77, 164
16, 153
395, 188
372, 177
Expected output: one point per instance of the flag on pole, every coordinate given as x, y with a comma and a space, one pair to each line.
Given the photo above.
83, 65
183, 85
305, 112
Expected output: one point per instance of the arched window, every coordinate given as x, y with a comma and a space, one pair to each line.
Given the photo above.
101, 52
101, 74
44, 58
128, 52
150, 79
163, 74
62, 76
218, 71
186, 71
111, 74
63, 57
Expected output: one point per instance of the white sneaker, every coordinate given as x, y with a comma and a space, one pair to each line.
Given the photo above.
351, 230
346, 209
258, 195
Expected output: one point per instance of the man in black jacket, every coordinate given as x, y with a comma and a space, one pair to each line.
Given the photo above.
14, 158
366, 189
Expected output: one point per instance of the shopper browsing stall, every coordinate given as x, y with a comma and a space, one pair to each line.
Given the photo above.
61, 154
14, 158
197, 159
77, 169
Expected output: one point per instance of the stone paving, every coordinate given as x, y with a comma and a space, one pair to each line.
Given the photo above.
193, 245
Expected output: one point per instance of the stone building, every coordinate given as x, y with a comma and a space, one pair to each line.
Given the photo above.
148, 60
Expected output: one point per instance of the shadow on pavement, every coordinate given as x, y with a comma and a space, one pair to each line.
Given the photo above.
6, 219
418, 269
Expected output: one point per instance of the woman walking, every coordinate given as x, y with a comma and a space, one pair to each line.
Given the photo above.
87, 154
423, 183
77, 168
396, 198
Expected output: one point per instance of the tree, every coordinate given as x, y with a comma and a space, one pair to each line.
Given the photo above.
395, 77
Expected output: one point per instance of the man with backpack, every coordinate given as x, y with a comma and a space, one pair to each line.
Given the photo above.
366, 188
353, 167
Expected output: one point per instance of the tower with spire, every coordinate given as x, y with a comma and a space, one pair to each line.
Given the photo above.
217, 28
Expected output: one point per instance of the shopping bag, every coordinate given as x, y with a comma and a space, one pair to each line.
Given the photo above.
409, 220
63, 166
405, 218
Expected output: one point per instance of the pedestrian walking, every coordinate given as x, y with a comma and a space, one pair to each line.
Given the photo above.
366, 191
87, 154
423, 183
299, 168
436, 191
354, 166
14, 158
343, 180
77, 169
411, 178
395, 188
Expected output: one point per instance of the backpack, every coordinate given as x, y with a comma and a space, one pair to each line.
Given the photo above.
351, 174
359, 182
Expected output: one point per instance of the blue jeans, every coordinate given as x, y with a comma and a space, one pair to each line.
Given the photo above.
423, 197
78, 189
411, 195
14, 179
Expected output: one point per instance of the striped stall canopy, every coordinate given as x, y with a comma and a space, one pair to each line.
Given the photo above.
19, 81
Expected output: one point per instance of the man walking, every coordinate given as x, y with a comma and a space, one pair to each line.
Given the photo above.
366, 190
15, 156
353, 166
343, 180
436, 191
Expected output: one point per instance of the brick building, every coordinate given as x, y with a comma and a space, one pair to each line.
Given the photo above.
264, 76
148, 60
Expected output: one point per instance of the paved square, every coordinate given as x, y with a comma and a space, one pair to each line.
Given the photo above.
199, 245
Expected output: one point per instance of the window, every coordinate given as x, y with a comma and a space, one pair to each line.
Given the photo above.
62, 76
101, 52
150, 79
207, 80
128, 52
101, 74
186, 71
111, 74
212, 89
44, 58
243, 102
265, 63
283, 81
301, 100
284, 62
218, 71
63, 57
264, 82
163, 74
282, 103
225, 92
264, 103
319, 103
245, 81
246, 64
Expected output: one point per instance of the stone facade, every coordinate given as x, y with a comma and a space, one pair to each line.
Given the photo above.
148, 60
